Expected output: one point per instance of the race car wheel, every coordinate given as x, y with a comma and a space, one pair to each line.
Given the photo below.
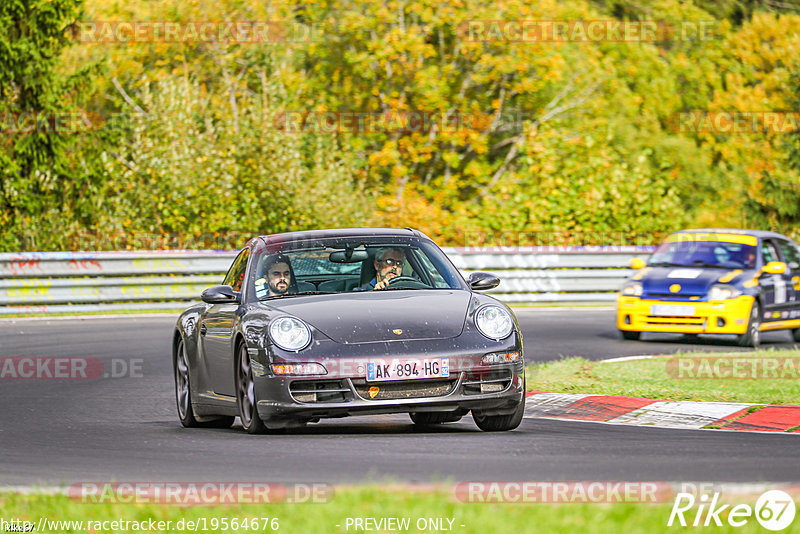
796, 334
752, 338
183, 396
436, 418
627, 334
245, 394
500, 423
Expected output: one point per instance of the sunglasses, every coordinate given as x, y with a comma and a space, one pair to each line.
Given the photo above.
390, 262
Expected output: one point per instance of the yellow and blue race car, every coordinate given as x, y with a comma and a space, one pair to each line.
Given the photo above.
714, 281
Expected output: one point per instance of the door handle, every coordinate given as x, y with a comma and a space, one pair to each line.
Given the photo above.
203, 329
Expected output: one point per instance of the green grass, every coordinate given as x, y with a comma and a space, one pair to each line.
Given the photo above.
478, 518
100, 312
650, 379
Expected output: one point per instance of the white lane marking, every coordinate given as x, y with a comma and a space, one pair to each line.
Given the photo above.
680, 414
629, 358
542, 404
168, 313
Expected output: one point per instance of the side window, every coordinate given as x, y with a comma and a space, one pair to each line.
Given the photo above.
235, 276
769, 252
790, 254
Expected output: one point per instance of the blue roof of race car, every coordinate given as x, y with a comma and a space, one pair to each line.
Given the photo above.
761, 234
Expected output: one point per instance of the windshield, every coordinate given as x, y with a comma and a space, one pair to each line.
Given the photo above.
351, 265
704, 254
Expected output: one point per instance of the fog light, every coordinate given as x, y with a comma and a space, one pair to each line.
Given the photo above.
720, 322
492, 387
627, 319
500, 357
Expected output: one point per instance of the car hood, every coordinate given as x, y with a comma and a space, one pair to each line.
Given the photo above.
370, 316
693, 281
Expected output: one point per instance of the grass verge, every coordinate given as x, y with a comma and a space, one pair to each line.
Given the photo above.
683, 376
354, 502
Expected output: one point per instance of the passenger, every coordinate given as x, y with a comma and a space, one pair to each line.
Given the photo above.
279, 279
388, 264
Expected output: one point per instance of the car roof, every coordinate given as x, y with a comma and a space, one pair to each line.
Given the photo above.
340, 232
761, 234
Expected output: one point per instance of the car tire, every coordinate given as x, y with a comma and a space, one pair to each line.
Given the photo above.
796, 334
183, 395
501, 423
632, 336
245, 394
752, 338
436, 418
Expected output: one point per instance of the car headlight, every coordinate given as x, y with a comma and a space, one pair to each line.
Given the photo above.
632, 289
494, 322
723, 292
290, 333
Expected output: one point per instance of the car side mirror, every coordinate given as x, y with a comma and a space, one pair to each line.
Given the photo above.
220, 295
483, 281
637, 263
774, 267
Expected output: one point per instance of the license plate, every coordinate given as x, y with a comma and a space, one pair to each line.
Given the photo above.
671, 309
405, 369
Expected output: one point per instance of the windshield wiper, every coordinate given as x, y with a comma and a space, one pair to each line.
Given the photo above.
298, 294
708, 265
662, 264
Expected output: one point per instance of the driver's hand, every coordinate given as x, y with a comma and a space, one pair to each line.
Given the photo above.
385, 282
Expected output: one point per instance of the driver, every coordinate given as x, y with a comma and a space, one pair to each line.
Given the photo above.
279, 277
389, 263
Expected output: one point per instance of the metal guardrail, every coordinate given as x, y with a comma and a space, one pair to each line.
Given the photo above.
52, 282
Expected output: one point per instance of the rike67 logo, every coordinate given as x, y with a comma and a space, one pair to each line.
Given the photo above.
774, 510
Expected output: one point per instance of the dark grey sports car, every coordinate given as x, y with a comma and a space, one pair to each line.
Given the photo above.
333, 323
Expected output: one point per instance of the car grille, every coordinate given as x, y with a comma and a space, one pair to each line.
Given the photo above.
488, 382
319, 391
679, 320
407, 389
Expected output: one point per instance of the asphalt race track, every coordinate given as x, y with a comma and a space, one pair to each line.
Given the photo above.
126, 428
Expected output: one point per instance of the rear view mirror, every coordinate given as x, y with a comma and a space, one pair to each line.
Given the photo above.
483, 281
220, 295
348, 256
774, 267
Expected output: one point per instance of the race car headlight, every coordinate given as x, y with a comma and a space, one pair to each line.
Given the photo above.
290, 333
494, 322
723, 292
632, 289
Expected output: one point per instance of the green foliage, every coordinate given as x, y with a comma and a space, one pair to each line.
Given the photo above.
198, 163
38, 182
575, 137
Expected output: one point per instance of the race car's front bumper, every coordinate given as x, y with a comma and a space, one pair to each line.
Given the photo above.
495, 392
716, 317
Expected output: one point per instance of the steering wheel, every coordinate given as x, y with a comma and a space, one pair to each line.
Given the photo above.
407, 281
